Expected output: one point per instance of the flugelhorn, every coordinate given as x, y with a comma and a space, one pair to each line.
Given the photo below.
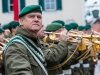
2, 45
6, 40
74, 34
70, 34
52, 36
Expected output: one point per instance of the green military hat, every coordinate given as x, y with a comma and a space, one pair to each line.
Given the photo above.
5, 26
29, 9
1, 30
74, 25
13, 24
68, 27
80, 28
59, 21
53, 27
88, 26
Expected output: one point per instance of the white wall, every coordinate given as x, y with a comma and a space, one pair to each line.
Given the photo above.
71, 10
5, 17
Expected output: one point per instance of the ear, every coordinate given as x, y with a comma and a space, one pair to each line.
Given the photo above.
21, 20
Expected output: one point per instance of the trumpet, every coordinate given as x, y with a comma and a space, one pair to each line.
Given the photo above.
1, 52
70, 34
74, 34
6, 40
52, 36
2, 45
85, 39
84, 43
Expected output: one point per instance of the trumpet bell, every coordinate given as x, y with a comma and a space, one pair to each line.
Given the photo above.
90, 36
96, 42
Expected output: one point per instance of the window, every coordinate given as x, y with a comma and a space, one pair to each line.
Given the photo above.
10, 5
7, 5
51, 5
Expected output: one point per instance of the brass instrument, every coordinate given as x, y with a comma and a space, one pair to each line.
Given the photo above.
86, 41
52, 36
75, 35
6, 40
2, 45
1, 52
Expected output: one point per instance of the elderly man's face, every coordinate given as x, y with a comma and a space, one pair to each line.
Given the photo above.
32, 21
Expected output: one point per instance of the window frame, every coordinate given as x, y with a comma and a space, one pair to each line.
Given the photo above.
9, 10
13, 6
55, 5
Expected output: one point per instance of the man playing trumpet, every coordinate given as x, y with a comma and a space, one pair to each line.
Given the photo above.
1, 39
59, 50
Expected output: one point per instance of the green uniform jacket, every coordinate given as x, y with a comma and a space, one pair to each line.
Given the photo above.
10, 35
59, 52
55, 55
18, 60
71, 49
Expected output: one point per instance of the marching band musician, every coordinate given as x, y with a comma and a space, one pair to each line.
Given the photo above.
61, 22
88, 29
54, 54
95, 27
57, 28
68, 27
85, 65
5, 27
82, 28
12, 27
2, 45
74, 26
23, 55
1, 39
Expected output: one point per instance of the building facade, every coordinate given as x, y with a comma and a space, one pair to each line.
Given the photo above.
66, 10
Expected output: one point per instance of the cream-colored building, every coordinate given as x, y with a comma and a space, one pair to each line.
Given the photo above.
66, 10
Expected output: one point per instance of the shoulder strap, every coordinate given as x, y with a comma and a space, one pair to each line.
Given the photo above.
30, 49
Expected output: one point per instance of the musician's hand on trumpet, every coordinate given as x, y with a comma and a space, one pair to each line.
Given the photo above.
62, 35
68, 38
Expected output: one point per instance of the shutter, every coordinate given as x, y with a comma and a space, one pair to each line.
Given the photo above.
4, 6
22, 4
59, 4
41, 2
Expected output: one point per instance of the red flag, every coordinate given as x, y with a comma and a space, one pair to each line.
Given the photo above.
16, 9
